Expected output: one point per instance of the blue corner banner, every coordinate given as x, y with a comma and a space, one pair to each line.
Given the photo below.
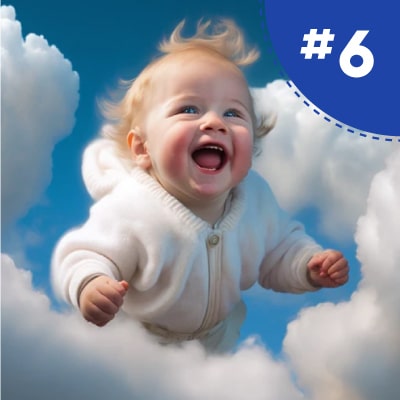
344, 57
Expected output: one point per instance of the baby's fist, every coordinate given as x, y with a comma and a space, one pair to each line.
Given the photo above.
101, 299
328, 269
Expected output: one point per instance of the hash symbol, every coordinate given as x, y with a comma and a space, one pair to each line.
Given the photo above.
313, 47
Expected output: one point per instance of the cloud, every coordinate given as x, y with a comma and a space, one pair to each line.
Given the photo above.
48, 355
311, 163
39, 97
352, 350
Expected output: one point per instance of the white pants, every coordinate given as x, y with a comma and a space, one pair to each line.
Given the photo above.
222, 338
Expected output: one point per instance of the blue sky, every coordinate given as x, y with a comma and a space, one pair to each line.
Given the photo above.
319, 174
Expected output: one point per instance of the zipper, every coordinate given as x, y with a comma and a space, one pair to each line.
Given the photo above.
214, 253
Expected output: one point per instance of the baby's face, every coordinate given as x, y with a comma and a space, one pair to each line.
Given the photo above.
198, 128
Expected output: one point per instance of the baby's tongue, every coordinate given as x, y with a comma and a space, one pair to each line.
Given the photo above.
207, 158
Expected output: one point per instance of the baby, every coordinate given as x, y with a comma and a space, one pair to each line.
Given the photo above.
188, 226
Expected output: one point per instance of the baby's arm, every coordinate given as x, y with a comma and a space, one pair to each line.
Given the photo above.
328, 269
101, 299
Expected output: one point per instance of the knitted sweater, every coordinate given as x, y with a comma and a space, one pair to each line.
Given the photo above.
184, 274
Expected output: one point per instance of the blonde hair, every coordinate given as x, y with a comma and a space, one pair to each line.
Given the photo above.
225, 40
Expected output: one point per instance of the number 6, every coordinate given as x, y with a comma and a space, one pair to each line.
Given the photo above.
354, 48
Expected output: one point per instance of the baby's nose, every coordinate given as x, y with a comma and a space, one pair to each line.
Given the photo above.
213, 121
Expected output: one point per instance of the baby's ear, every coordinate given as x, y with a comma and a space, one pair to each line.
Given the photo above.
139, 149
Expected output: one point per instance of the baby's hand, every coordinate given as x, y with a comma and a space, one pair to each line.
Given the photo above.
101, 299
328, 269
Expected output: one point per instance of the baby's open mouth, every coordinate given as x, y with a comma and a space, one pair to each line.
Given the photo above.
210, 157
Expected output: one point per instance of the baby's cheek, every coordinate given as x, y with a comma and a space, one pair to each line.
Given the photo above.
243, 154
175, 158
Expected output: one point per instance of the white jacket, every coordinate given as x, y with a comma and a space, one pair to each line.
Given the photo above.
184, 275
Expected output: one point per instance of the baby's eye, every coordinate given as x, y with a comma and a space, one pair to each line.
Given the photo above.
232, 113
189, 110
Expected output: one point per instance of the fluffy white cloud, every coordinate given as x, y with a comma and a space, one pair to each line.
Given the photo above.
352, 350
310, 162
48, 355
39, 96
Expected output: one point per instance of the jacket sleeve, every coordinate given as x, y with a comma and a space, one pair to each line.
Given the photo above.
102, 246
288, 249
